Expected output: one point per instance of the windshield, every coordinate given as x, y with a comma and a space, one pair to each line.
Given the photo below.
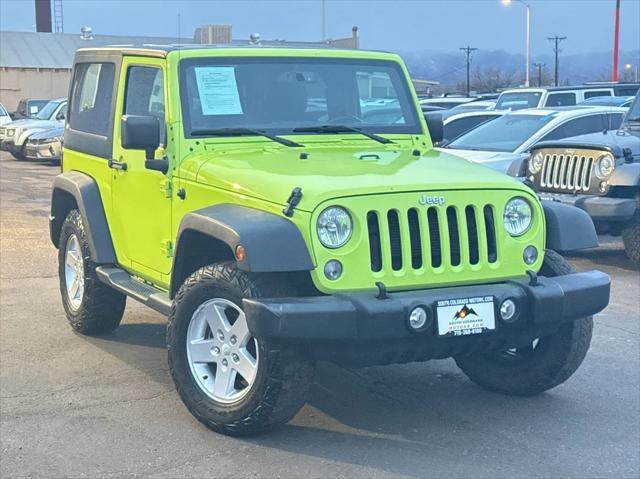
47, 111
280, 95
505, 134
3, 112
633, 115
518, 100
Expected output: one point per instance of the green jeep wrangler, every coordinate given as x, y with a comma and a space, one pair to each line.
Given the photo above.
283, 206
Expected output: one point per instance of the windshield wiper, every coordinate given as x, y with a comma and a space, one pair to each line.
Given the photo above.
244, 131
340, 129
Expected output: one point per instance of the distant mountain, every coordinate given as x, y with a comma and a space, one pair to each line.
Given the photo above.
507, 69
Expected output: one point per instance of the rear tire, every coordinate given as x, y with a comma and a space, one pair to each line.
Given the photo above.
91, 306
271, 394
546, 363
631, 238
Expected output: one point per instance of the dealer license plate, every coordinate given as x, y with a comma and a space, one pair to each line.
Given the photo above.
464, 316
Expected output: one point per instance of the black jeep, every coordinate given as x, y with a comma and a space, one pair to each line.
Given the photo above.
599, 173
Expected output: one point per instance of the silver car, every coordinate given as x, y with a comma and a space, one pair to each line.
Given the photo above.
45, 145
14, 135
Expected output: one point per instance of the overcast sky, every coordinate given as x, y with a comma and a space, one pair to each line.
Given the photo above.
401, 25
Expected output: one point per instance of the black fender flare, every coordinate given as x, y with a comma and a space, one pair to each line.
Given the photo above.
86, 194
272, 243
568, 228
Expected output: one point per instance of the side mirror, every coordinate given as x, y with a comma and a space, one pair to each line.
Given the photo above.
61, 116
140, 133
435, 126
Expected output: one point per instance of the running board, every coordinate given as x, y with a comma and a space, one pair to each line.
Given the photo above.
122, 281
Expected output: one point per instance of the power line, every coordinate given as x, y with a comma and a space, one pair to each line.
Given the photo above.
467, 50
539, 66
556, 49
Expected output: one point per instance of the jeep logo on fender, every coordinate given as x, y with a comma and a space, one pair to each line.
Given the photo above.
432, 200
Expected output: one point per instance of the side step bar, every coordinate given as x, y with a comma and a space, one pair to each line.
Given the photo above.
122, 281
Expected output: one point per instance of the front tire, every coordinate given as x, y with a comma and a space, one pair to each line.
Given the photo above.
544, 364
91, 306
631, 238
230, 381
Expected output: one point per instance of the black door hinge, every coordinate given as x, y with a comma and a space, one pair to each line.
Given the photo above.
294, 199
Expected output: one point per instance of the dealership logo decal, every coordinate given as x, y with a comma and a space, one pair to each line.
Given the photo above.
464, 312
432, 200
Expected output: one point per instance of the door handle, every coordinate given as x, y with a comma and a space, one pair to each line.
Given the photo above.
117, 165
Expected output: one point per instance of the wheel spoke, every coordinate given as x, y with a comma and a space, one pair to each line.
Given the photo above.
224, 380
73, 290
241, 330
247, 366
200, 351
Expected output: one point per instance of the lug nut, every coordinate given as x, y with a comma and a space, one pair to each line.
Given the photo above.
220, 335
235, 358
233, 340
216, 351
225, 363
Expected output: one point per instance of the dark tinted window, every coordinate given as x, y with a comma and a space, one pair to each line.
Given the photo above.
593, 94
614, 120
457, 127
145, 94
561, 99
577, 126
91, 98
625, 90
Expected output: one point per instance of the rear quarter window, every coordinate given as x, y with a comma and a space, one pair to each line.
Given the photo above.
561, 99
91, 96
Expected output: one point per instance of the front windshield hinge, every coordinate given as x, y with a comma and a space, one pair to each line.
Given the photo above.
167, 188
294, 199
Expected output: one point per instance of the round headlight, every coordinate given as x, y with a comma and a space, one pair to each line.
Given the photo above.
334, 227
517, 216
604, 166
535, 163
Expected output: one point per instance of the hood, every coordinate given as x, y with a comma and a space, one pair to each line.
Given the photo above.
615, 141
56, 132
271, 173
31, 123
484, 156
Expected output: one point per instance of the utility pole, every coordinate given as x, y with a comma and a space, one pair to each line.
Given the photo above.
539, 66
556, 49
467, 50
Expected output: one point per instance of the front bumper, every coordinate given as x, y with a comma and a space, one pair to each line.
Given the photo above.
361, 329
600, 208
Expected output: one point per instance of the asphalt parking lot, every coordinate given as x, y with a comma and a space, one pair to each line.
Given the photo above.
73, 406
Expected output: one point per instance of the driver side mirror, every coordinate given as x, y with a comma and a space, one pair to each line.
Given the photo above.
143, 133
435, 125
61, 116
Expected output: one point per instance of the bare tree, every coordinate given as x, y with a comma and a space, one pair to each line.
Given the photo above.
493, 79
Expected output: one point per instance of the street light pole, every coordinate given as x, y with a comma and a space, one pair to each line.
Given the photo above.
629, 66
528, 47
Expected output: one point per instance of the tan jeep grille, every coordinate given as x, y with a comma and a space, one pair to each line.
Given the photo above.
567, 171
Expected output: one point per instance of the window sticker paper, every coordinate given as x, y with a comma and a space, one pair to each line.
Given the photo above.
218, 91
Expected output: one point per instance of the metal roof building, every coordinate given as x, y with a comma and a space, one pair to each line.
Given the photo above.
38, 65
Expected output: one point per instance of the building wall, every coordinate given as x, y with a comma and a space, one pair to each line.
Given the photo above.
18, 83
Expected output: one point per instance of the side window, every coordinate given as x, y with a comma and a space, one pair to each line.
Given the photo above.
91, 98
145, 94
575, 127
62, 114
458, 127
614, 120
595, 93
561, 99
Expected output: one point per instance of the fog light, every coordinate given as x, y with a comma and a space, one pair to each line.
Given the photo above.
508, 310
602, 186
418, 318
530, 255
333, 269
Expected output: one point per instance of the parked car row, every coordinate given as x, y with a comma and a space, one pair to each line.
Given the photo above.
586, 156
36, 138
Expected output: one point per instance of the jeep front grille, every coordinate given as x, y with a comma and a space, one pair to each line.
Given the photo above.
566, 172
431, 238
